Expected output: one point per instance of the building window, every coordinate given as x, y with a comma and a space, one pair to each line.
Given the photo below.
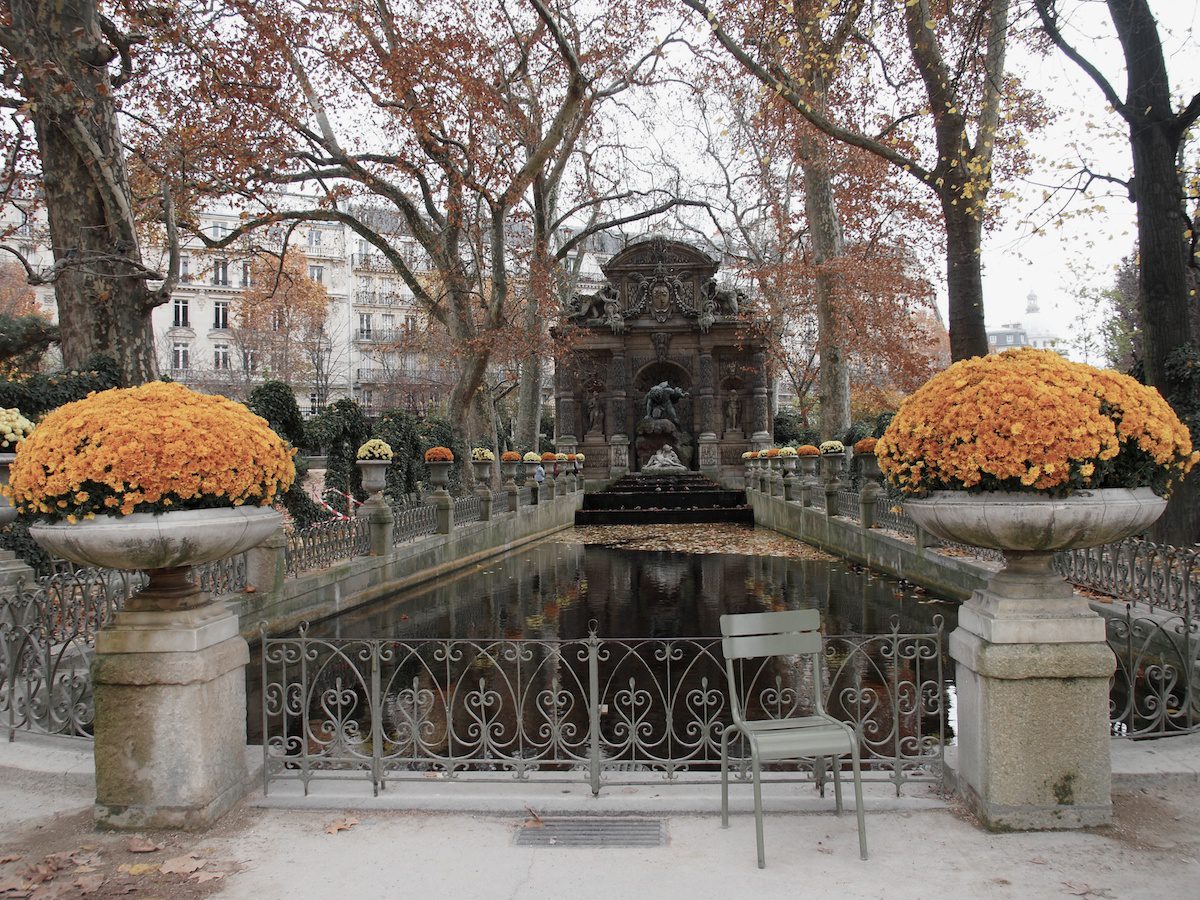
389, 324
221, 272
221, 357
364, 326
218, 231
314, 237
245, 274
312, 403
250, 360
180, 306
278, 320
221, 314
317, 274
180, 358
410, 324
185, 269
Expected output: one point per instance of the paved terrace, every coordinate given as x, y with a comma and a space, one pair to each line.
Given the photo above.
449, 841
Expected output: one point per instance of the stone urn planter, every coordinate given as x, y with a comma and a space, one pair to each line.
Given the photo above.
374, 474
439, 473
164, 545
482, 470
1039, 460
831, 467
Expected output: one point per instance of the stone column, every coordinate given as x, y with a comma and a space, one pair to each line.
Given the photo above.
1032, 673
618, 411
567, 404
13, 571
170, 694
710, 463
266, 565
382, 523
618, 456
831, 464
760, 426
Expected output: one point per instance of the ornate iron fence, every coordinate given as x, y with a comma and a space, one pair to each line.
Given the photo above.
599, 710
225, 576
413, 522
1156, 688
466, 509
890, 514
848, 505
1160, 577
47, 639
325, 543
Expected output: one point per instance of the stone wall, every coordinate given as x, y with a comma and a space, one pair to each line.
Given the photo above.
281, 605
951, 576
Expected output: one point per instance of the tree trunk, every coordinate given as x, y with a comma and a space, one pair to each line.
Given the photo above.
1155, 133
103, 302
964, 282
827, 244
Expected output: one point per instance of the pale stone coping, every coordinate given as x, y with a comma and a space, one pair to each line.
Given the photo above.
167, 632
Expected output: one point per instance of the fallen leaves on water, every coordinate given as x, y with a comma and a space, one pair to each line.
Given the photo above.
341, 825
705, 538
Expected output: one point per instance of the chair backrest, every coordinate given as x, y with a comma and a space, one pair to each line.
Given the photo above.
756, 635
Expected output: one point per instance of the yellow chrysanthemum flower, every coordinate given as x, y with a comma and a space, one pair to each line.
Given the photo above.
147, 448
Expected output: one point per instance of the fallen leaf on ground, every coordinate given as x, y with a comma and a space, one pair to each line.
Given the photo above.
341, 825
138, 869
202, 877
141, 845
88, 884
181, 865
534, 820
11, 857
1084, 890
15, 887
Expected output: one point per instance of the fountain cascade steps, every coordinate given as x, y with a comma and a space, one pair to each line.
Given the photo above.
686, 498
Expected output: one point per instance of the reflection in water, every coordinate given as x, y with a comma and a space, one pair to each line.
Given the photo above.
554, 590
496, 669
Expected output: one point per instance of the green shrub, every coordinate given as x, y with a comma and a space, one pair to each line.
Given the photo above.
276, 402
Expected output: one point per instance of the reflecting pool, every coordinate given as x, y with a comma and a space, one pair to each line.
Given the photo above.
577, 660
556, 589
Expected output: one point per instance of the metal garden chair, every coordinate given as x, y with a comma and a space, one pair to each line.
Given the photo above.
796, 633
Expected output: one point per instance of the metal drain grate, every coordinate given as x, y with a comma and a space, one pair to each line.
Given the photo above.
591, 831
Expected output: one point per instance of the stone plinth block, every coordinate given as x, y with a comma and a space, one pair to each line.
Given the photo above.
170, 725
1033, 732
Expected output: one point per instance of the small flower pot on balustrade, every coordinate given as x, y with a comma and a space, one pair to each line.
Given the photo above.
508, 471
808, 478
790, 482
831, 478
482, 470
870, 490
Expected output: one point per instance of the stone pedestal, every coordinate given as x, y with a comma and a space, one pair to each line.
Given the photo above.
14, 571
443, 510
170, 718
618, 456
710, 456
1032, 675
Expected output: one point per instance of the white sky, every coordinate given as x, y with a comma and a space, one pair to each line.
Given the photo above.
1053, 262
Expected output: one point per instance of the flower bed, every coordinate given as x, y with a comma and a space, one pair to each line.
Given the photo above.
865, 446
831, 447
482, 454
439, 454
510, 456
531, 457
807, 450
152, 448
1031, 420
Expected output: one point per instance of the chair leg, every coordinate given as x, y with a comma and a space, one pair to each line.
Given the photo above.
836, 764
725, 776
758, 810
858, 806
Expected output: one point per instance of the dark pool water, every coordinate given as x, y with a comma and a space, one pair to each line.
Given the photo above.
558, 591
554, 590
